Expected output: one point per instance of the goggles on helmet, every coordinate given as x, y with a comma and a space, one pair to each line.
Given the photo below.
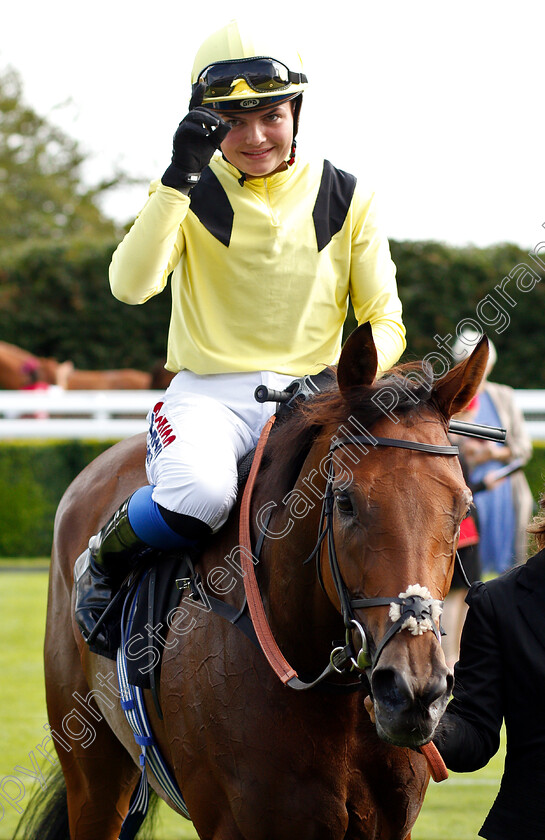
262, 74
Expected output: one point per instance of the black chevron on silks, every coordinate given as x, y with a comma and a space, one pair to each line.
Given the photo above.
212, 207
332, 203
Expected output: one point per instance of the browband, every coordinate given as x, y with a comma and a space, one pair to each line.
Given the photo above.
430, 448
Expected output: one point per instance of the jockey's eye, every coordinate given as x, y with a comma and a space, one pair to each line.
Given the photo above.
344, 503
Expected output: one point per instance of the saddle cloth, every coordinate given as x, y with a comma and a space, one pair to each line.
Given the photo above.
157, 594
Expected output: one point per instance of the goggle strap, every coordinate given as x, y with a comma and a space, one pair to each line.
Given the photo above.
297, 78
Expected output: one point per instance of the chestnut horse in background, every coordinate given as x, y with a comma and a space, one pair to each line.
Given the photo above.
15, 363
108, 380
255, 759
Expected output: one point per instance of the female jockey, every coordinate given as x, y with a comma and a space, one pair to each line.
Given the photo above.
265, 250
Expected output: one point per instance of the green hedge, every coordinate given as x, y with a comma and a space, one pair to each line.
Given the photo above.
33, 477
498, 287
55, 301
535, 471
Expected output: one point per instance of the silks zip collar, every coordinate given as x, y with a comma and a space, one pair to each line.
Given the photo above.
243, 179
274, 218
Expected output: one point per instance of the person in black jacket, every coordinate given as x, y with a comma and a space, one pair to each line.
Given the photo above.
500, 677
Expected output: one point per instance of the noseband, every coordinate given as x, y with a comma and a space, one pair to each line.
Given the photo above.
415, 608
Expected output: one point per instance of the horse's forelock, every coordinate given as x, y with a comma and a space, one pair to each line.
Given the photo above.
402, 390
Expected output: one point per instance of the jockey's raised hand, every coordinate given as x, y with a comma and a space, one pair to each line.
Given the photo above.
197, 137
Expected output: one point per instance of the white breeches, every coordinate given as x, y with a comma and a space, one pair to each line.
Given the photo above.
198, 432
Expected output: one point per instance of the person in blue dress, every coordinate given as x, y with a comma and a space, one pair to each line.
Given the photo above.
505, 510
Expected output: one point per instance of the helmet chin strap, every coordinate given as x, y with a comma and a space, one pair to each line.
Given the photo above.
297, 103
291, 159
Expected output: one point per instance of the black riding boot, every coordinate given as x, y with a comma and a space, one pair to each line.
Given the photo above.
101, 569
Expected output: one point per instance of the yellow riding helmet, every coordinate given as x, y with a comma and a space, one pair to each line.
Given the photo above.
240, 70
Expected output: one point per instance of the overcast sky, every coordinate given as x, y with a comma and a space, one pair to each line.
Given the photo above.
438, 106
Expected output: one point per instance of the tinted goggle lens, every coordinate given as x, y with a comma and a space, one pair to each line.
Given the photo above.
263, 75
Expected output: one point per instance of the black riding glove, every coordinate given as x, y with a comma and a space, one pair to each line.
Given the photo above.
196, 139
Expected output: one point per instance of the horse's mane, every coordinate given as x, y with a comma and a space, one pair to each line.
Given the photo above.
408, 385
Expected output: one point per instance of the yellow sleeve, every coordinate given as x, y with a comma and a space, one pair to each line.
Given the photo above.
151, 249
373, 287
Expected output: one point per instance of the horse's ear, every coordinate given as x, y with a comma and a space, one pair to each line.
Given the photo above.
458, 387
358, 362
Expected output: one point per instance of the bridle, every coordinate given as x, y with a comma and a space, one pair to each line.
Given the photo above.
421, 609
343, 658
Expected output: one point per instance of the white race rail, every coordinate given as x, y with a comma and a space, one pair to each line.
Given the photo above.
532, 405
61, 415
114, 415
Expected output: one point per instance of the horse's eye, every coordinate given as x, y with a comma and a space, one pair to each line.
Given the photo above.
344, 503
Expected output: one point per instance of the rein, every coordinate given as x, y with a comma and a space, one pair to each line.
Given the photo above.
267, 642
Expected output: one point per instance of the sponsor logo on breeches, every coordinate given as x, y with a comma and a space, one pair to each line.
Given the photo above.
160, 433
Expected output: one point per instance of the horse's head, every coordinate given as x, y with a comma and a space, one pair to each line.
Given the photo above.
397, 497
47, 370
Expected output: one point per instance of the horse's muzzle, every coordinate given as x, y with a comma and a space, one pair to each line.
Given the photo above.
407, 711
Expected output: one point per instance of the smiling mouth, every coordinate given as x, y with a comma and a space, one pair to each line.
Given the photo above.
258, 154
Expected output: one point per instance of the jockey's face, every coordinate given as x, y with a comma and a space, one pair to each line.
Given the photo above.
259, 143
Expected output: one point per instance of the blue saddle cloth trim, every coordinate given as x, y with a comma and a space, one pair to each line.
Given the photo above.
132, 703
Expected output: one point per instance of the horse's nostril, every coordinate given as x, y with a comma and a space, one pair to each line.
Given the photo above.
437, 688
390, 688
393, 691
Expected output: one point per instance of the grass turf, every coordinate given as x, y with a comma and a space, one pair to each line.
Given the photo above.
453, 810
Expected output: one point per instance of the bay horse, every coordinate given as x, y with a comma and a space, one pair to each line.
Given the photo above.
255, 759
